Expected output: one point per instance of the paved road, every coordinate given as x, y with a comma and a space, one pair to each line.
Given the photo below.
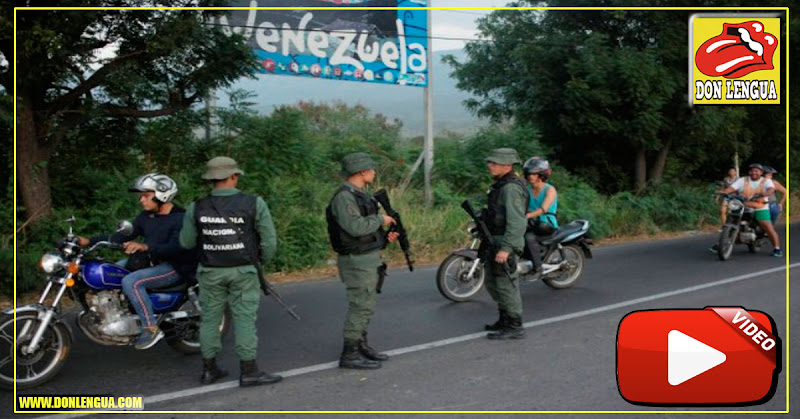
567, 362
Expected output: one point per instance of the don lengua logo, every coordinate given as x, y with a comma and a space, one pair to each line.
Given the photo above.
734, 59
739, 50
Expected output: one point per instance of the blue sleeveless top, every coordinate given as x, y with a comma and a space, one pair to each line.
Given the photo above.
535, 202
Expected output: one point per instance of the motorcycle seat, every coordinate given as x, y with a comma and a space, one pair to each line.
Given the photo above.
564, 231
179, 287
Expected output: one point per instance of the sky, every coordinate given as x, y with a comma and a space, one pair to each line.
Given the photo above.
457, 23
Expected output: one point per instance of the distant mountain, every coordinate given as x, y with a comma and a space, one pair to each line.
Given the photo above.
402, 102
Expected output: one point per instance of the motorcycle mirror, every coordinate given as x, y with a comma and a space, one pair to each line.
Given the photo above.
125, 227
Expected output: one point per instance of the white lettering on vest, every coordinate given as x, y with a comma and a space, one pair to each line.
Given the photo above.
223, 232
221, 220
223, 247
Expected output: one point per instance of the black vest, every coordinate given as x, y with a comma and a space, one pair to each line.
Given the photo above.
495, 214
345, 244
226, 232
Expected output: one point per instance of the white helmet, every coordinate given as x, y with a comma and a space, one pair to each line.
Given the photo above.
164, 187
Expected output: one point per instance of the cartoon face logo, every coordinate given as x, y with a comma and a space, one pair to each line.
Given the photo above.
315, 70
293, 67
739, 50
337, 71
269, 65
358, 73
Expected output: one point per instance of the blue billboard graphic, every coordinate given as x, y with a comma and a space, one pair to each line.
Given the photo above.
337, 42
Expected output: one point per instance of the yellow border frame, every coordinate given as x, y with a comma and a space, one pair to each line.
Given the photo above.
785, 372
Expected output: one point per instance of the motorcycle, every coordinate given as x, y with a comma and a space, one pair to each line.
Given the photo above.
43, 338
461, 275
740, 227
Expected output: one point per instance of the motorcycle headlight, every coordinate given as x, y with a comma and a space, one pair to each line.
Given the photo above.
51, 262
735, 205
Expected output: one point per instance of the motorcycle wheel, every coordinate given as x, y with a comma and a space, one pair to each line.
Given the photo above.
452, 282
727, 238
184, 337
41, 366
755, 246
565, 278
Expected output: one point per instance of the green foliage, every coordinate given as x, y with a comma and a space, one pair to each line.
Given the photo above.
291, 159
607, 90
99, 71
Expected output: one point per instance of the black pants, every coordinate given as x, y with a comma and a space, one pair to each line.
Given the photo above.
534, 250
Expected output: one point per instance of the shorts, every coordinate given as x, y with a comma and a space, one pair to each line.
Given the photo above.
774, 211
762, 214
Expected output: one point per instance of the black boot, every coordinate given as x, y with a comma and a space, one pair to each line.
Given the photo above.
251, 376
368, 352
512, 330
501, 321
352, 357
211, 372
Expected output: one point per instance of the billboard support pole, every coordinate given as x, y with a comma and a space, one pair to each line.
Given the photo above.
211, 114
428, 147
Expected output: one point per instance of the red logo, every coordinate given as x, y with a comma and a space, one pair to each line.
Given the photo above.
716, 356
269, 65
739, 50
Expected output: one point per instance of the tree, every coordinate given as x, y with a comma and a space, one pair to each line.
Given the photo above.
607, 89
78, 67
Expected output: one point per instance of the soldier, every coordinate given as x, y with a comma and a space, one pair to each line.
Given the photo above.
231, 229
505, 218
355, 230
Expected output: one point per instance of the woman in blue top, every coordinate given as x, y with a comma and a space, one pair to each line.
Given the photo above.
542, 205
543, 202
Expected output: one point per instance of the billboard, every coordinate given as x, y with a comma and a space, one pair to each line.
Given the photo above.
337, 42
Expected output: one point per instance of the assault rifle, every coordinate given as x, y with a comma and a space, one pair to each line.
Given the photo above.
268, 289
383, 198
489, 246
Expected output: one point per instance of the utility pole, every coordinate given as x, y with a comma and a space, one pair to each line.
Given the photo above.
428, 147
211, 114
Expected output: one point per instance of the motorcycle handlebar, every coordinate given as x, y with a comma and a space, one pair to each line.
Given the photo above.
108, 244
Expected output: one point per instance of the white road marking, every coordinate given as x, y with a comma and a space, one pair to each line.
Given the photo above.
331, 365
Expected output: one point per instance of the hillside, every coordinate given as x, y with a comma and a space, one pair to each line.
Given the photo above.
402, 102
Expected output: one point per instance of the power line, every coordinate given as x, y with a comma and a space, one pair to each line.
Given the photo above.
461, 11
448, 38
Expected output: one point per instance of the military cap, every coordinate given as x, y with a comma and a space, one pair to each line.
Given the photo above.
503, 156
220, 168
356, 162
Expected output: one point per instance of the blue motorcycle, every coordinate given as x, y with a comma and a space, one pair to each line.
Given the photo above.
43, 339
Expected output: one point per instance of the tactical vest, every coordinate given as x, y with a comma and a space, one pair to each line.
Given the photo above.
495, 214
345, 244
226, 233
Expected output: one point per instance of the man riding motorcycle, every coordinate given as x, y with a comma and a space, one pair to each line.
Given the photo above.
157, 261
542, 207
763, 188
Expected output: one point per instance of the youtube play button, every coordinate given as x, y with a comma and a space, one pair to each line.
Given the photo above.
688, 357
714, 357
